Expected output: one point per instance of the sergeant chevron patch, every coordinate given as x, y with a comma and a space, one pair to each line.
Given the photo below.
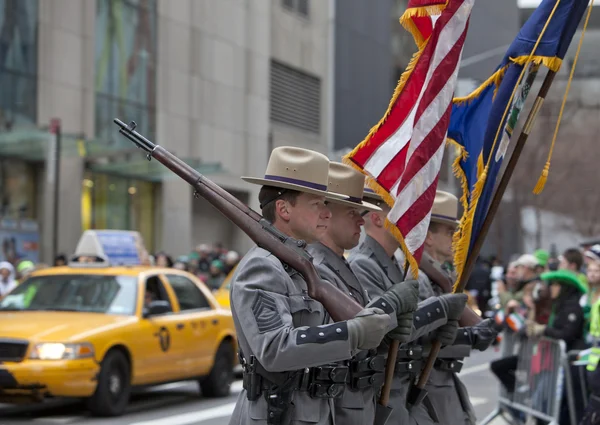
265, 312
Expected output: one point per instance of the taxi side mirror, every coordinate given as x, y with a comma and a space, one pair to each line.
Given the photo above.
157, 308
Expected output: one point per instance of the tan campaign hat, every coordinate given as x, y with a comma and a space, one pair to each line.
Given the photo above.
297, 169
445, 208
346, 180
369, 193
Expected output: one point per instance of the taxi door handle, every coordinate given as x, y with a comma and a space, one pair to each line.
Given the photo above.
215, 321
180, 326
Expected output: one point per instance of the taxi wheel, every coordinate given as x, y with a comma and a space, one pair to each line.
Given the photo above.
218, 382
112, 393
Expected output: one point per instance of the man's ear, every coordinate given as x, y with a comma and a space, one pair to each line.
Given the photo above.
379, 219
282, 210
429, 239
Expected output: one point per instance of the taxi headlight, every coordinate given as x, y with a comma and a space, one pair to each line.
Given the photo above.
59, 351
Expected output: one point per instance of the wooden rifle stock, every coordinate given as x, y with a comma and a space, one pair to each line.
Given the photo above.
288, 250
441, 278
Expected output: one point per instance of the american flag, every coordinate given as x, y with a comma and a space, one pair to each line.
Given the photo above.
402, 154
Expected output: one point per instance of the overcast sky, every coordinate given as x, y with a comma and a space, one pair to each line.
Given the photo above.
523, 4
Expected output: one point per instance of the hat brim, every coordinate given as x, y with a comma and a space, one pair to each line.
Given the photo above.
444, 220
374, 196
591, 255
361, 206
297, 187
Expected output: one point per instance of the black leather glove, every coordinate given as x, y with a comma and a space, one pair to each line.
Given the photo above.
446, 334
482, 335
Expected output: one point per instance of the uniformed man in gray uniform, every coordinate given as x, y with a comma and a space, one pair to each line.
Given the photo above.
445, 390
376, 268
287, 341
357, 405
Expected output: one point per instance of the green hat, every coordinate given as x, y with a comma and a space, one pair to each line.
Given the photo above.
217, 263
25, 265
542, 256
565, 277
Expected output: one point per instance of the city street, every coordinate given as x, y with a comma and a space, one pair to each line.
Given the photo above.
181, 404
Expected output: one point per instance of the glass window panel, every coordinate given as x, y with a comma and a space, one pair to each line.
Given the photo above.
126, 46
18, 63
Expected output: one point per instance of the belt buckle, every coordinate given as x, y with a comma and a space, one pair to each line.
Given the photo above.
336, 374
320, 390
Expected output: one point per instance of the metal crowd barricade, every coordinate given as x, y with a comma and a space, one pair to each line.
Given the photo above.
543, 370
511, 343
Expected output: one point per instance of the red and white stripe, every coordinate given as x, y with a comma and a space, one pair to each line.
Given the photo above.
405, 154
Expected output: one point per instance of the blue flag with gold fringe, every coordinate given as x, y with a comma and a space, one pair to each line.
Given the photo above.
481, 123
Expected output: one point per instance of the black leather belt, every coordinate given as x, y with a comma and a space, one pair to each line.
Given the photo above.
411, 353
408, 366
323, 381
450, 365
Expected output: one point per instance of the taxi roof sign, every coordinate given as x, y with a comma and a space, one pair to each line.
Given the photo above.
108, 248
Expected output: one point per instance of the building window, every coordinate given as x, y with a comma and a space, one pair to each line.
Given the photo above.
125, 80
295, 98
299, 6
18, 63
110, 202
17, 189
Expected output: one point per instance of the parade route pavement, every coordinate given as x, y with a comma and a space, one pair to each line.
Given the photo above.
180, 403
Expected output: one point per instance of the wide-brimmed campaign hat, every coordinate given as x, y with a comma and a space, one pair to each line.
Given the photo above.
345, 180
297, 169
371, 195
445, 208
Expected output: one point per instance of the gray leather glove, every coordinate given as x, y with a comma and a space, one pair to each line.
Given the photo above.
483, 334
446, 334
403, 297
368, 327
403, 331
454, 304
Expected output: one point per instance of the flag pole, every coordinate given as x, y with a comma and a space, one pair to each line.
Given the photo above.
382, 409
489, 218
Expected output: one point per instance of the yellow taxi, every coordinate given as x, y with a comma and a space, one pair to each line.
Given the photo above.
222, 294
94, 329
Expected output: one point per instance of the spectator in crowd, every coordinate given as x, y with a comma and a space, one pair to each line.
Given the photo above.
7, 278
542, 256
216, 276
60, 260
479, 284
593, 271
163, 260
231, 260
204, 258
24, 269
566, 323
526, 266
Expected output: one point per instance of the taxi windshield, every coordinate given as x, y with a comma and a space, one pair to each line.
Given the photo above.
81, 293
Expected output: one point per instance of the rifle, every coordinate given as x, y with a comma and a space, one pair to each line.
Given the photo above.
438, 276
288, 250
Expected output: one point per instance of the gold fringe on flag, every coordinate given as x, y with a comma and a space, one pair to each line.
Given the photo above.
419, 12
